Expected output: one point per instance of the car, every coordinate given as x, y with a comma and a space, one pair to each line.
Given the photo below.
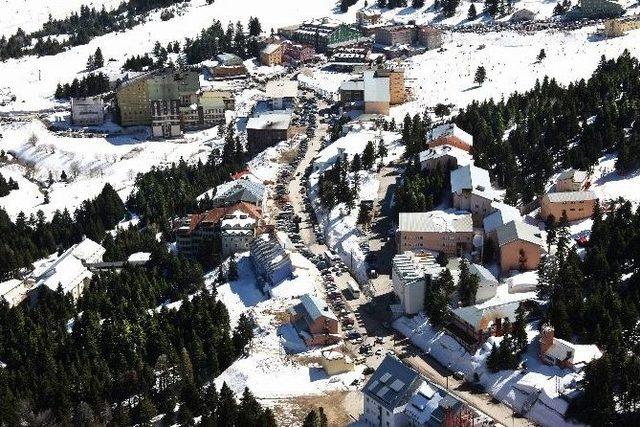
378, 352
459, 375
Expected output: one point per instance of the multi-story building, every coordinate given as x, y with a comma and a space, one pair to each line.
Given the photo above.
272, 54
567, 355
366, 17
521, 246
378, 89
487, 283
572, 180
214, 104
471, 190
87, 111
429, 37
228, 66
240, 190
407, 35
574, 204
411, 273
282, 93
322, 33
267, 130
174, 102
297, 53
230, 228
132, 97
440, 231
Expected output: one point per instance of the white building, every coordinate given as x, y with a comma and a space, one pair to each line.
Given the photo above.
87, 111
15, 291
69, 270
281, 92
237, 230
410, 275
488, 284
271, 261
447, 157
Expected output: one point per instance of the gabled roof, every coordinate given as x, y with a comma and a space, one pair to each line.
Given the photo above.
481, 316
240, 190
503, 213
575, 353
482, 273
314, 308
271, 48
573, 174
471, 178
463, 158
571, 196
516, 230
270, 121
392, 384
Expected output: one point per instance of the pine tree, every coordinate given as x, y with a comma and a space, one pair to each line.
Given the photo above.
98, 59
472, 13
467, 284
480, 76
368, 156
541, 55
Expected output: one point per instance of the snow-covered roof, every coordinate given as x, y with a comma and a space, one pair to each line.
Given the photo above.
423, 404
575, 175
481, 316
517, 230
352, 85
282, 88
278, 121
571, 196
472, 178
503, 213
315, 307
239, 190
436, 222
88, 251
449, 129
462, 157
140, 257
577, 354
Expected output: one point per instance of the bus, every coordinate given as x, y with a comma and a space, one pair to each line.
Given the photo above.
353, 289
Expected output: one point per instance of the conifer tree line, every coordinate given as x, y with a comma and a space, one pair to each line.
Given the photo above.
554, 126
7, 186
90, 85
120, 361
595, 299
81, 26
28, 239
215, 40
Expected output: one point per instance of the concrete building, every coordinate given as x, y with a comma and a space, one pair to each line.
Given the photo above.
321, 33
377, 89
15, 291
407, 35
618, 28
230, 228
282, 93
501, 214
446, 156
411, 273
272, 54
572, 180
296, 53
471, 190
449, 134
377, 93
440, 231
481, 321
228, 67
271, 262
521, 246
267, 130
87, 111
214, 104
429, 37
174, 102
132, 98
315, 322
575, 204
556, 351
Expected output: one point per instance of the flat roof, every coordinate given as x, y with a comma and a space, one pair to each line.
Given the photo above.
282, 89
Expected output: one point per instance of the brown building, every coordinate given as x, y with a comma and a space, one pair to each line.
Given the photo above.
229, 66
440, 231
429, 37
476, 323
297, 53
400, 34
396, 85
314, 321
267, 130
449, 134
556, 351
271, 54
575, 204
521, 246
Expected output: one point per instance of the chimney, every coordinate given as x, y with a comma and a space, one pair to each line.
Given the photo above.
546, 338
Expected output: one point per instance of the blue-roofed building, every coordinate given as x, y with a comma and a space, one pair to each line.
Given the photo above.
271, 261
240, 190
314, 321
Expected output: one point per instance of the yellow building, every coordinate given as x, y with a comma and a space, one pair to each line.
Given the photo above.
335, 363
133, 101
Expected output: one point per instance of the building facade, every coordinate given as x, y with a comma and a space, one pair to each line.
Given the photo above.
321, 33
575, 204
411, 273
521, 246
132, 97
267, 130
271, 54
87, 111
314, 321
439, 231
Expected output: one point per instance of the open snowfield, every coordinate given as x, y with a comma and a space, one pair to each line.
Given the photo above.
510, 60
89, 163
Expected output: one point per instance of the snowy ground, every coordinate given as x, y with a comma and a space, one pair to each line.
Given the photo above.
268, 370
89, 163
535, 391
